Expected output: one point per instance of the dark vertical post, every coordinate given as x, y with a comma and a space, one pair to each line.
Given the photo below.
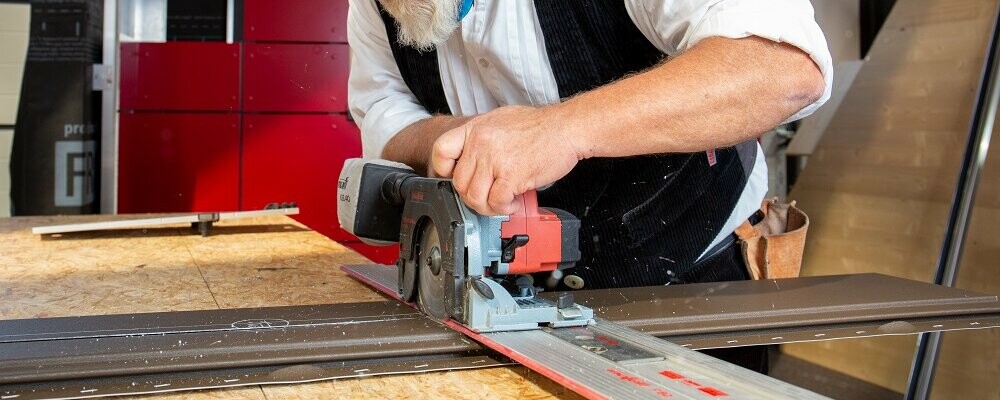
872, 14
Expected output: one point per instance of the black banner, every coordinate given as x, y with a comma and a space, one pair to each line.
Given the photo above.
196, 20
54, 163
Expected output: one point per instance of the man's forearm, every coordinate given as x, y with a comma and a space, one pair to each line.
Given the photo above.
412, 145
719, 93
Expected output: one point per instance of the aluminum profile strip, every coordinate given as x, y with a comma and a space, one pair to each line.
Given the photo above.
156, 221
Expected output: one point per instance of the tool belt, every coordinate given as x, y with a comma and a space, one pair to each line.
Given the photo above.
772, 248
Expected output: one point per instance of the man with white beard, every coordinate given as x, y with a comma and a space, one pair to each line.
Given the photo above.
640, 117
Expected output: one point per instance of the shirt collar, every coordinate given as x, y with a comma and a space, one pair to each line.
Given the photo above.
464, 8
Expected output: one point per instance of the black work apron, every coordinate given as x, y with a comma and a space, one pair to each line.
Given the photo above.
646, 220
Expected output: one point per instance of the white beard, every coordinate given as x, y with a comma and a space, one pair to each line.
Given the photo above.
423, 24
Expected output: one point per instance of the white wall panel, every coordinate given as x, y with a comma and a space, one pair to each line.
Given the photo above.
14, 25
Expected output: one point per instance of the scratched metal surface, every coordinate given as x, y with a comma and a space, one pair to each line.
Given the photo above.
133, 384
804, 304
116, 345
706, 308
192, 349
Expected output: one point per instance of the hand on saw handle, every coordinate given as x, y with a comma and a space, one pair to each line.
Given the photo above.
501, 154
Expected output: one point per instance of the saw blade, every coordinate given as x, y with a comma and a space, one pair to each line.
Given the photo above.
432, 278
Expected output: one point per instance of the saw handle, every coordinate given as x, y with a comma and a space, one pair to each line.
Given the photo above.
552, 238
370, 199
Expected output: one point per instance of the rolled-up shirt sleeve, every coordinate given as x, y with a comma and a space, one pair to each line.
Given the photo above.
677, 25
379, 100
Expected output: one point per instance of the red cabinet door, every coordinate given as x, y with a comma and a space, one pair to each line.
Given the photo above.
178, 162
297, 158
295, 78
184, 76
295, 21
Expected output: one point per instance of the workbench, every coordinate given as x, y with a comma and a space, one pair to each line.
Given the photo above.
266, 261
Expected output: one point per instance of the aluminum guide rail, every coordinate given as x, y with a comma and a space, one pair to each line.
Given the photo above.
609, 361
650, 368
198, 345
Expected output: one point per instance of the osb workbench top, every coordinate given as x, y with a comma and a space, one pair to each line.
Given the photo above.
269, 261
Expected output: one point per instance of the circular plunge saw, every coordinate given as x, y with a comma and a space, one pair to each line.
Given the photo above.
456, 263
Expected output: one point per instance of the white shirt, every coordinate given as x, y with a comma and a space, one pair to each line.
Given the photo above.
497, 57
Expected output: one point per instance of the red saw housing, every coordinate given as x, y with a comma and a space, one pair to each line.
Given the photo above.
552, 237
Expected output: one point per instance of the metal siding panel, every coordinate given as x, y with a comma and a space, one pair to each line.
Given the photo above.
180, 76
296, 78
178, 163
375, 332
295, 21
297, 158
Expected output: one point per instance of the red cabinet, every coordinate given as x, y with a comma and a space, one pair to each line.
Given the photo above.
297, 158
295, 77
184, 76
306, 21
209, 126
177, 162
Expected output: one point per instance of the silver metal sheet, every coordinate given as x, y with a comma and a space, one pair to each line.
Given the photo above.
804, 304
675, 372
823, 333
267, 375
380, 333
52, 349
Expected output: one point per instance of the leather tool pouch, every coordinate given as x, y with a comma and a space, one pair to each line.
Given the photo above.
772, 248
